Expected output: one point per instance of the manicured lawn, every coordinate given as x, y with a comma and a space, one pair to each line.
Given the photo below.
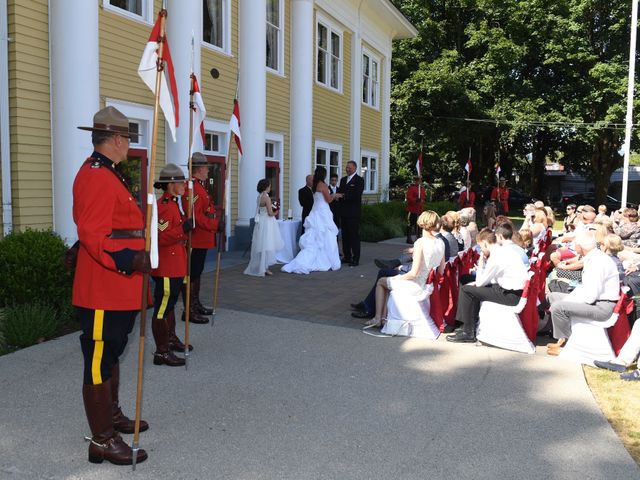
620, 403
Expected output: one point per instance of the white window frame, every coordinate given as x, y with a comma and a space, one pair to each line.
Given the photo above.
147, 11
280, 69
328, 147
226, 31
222, 130
278, 140
367, 177
374, 84
331, 28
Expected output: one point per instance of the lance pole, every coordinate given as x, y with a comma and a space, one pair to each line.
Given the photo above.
187, 287
147, 237
224, 210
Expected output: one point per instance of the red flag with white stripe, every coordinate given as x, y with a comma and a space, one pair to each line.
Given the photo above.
148, 71
468, 166
419, 164
199, 114
234, 124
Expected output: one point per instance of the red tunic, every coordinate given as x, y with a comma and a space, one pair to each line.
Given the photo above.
467, 199
204, 214
171, 239
504, 197
415, 204
102, 203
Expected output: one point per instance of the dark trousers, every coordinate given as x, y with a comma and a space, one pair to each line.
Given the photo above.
350, 238
412, 224
469, 299
633, 282
165, 294
103, 339
198, 256
370, 301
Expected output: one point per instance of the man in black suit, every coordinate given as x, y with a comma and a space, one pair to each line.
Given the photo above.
305, 197
351, 187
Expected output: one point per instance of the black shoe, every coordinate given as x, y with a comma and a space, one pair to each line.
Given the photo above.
450, 329
354, 264
614, 367
462, 337
345, 260
382, 263
358, 306
362, 314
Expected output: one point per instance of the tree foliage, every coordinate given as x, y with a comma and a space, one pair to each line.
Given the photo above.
544, 77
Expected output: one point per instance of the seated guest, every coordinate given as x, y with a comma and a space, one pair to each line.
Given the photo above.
571, 219
551, 217
464, 231
527, 240
563, 246
428, 253
447, 225
473, 226
500, 278
538, 204
628, 227
489, 212
528, 212
457, 234
612, 245
602, 211
594, 299
539, 225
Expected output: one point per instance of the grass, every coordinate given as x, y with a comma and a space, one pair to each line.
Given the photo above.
620, 403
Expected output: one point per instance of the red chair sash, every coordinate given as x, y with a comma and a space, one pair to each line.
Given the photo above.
621, 330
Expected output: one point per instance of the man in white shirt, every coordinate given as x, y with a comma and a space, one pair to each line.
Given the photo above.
594, 299
499, 279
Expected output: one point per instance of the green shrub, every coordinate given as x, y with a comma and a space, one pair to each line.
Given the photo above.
32, 271
382, 221
25, 325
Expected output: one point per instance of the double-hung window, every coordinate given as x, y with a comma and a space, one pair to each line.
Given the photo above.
329, 157
135, 9
369, 172
328, 56
215, 24
274, 35
370, 80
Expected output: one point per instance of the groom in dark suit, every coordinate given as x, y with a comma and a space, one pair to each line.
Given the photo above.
351, 187
305, 197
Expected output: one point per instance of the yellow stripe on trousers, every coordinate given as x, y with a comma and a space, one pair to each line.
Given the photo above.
165, 296
98, 348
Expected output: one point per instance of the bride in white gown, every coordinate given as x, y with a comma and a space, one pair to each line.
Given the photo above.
318, 244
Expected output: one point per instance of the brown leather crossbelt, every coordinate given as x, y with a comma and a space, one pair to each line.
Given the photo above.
117, 234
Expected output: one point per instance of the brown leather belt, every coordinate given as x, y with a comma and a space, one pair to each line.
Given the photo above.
124, 234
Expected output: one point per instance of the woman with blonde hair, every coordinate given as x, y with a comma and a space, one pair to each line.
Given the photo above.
428, 253
539, 225
551, 217
455, 216
489, 212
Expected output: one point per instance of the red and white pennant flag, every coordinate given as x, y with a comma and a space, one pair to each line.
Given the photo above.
234, 124
148, 70
468, 166
199, 114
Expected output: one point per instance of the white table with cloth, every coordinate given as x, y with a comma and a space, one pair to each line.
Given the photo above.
289, 231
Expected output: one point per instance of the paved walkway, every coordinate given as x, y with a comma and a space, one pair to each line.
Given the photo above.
285, 386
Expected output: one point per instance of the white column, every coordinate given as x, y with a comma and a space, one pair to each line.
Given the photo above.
184, 18
356, 97
301, 155
252, 97
386, 125
75, 98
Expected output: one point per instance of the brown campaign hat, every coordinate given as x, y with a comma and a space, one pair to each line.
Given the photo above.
199, 160
111, 120
169, 174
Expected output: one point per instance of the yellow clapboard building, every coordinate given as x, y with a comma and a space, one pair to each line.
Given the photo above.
312, 78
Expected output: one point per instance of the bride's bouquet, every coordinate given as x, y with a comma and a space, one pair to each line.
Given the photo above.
276, 206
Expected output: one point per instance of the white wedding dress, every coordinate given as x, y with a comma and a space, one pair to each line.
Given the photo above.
318, 244
408, 304
265, 242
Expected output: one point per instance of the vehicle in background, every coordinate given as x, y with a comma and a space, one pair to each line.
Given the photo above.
590, 199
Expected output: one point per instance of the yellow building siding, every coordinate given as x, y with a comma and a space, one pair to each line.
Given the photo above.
279, 107
29, 114
218, 96
332, 109
122, 41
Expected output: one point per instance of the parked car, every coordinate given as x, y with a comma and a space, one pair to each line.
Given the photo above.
517, 198
590, 199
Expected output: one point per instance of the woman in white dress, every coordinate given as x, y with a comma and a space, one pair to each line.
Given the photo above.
266, 240
318, 245
428, 253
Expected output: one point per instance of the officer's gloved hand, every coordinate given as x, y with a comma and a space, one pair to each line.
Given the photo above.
71, 257
141, 262
221, 226
187, 226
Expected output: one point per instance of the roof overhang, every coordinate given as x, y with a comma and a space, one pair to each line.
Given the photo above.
396, 21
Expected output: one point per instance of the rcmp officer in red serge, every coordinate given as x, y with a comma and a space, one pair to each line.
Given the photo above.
203, 236
173, 228
107, 287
